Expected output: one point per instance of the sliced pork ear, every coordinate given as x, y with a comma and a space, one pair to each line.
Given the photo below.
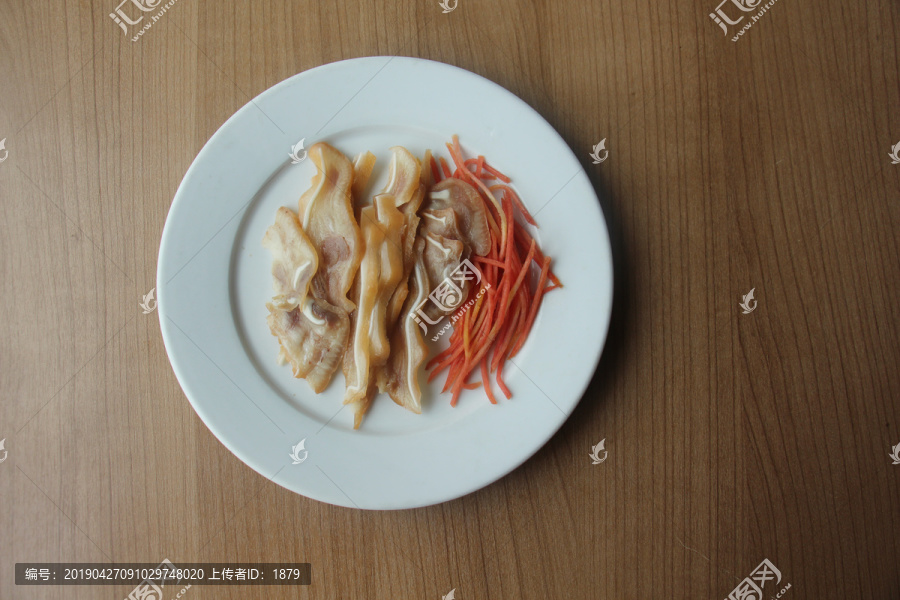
363, 163
442, 222
361, 406
399, 377
404, 174
471, 213
442, 256
408, 237
391, 222
312, 337
426, 170
379, 274
326, 215
294, 259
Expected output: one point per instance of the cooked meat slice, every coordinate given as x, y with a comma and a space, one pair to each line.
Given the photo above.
361, 406
363, 163
404, 174
399, 377
390, 257
443, 222
294, 259
379, 273
326, 215
312, 337
408, 237
471, 213
442, 257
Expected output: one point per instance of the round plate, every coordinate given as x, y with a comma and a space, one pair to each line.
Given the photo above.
214, 279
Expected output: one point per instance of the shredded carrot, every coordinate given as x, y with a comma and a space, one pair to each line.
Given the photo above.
446, 168
513, 282
516, 200
489, 261
496, 173
545, 269
435, 172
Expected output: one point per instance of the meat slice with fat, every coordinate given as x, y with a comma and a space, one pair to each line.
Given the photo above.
399, 376
326, 215
471, 213
294, 259
313, 337
379, 273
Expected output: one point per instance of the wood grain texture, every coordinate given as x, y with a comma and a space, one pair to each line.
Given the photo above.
732, 438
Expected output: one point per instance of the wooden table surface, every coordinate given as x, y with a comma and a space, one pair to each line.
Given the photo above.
732, 438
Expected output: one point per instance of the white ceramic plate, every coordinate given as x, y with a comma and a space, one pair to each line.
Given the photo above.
214, 279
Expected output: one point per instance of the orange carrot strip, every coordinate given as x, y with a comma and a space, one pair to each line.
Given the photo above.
502, 383
523, 272
446, 168
486, 381
538, 255
449, 352
452, 376
435, 172
466, 341
447, 362
496, 173
517, 201
489, 261
545, 269
503, 341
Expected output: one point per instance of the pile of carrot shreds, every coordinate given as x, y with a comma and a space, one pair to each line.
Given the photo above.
495, 328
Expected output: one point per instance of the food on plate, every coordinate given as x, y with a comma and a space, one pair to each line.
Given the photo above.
496, 327
379, 273
313, 332
294, 259
385, 229
326, 215
357, 283
313, 337
399, 376
363, 163
405, 184
463, 202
